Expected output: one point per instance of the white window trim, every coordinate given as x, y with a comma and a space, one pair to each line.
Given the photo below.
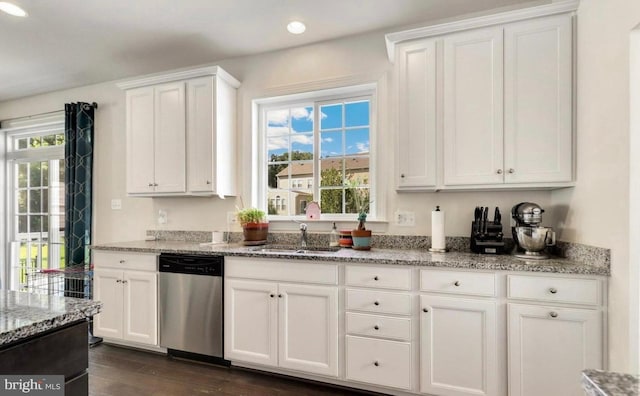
261, 106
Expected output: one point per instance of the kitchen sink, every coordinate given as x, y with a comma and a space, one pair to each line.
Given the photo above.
297, 249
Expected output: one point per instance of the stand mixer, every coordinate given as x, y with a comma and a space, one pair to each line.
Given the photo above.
527, 232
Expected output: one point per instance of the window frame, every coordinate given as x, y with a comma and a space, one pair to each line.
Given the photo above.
315, 99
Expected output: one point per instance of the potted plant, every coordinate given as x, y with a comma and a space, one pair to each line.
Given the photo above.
359, 198
255, 227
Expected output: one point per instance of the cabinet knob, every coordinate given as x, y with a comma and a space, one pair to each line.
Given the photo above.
376, 363
376, 327
375, 278
124, 281
279, 295
456, 283
208, 181
553, 290
150, 184
155, 184
121, 261
118, 281
272, 295
376, 303
425, 309
553, 314
511, 170
499, 171
402, 175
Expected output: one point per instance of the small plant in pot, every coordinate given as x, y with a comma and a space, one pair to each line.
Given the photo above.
255, 227
359, 198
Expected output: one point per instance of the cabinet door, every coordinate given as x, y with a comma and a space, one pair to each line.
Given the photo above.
538, 107
473, 126
200, 134
107, 286
140, 307
549, 347
458, 346
308, 325
251, 321
170, 138
416, 151
140, 140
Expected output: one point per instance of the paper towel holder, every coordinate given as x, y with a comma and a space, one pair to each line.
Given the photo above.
432, 249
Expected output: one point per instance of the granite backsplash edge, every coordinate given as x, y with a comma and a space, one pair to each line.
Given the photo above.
594, 256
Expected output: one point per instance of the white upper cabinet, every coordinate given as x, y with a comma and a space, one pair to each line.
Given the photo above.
417, 116
181, 133
473, 132
486, 103
538, 114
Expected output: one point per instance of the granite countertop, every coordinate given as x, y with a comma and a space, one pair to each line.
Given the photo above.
606, 383
24, 315
379, 256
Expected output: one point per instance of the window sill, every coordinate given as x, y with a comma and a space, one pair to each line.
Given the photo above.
325, 225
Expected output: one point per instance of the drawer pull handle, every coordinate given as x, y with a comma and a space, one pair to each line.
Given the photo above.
376, 303
553, 290
425, 309
376, 363
279, 295
124, 281
375, 278
121, 261
118, 281
553, 314
456, 283
272, 295
376, 327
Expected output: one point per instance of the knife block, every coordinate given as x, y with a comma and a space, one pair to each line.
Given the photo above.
487, 243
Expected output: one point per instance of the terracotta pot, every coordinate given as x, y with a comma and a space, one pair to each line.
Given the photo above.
255, 232
361, 239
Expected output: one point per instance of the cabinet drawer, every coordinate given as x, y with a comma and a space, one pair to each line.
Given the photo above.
380, 362
548, 288
456, 282
382, 277
281, 270
378, 326
125, 260
377, 301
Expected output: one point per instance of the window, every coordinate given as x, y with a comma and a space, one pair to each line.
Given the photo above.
35, 197
317, 151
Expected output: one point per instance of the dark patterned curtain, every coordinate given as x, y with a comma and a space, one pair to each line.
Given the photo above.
78, 154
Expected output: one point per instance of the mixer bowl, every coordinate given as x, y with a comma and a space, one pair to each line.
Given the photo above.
534, 240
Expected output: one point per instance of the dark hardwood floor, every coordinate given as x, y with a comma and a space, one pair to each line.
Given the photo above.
122, 372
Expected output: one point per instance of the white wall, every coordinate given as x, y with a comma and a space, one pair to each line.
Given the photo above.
596, 211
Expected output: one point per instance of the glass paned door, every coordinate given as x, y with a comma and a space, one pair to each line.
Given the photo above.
38, 218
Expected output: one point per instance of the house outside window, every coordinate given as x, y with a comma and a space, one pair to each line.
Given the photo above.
318, 151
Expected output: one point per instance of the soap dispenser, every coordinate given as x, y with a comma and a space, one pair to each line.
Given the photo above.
333, 237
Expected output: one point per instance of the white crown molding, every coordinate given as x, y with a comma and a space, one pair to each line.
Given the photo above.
560, 7
160, 78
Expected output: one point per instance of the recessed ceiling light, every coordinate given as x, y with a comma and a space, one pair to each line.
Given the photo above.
12, 9
296, 27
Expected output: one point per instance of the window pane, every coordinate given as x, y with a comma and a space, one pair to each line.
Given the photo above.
49, 140
300, 170
356, 114
277, 122
44, 166
21, 197
35, 225
302, 119
22, 175
301, 199
278, 176
331, 144
22, 224
331, 116
61, 171
278, 149
35, 142
35, 201
45, 200
331, 200
332, 173
21, 144
278, 202
302, 146
357, 199
357, 170
59, 139
35, 174
357, 141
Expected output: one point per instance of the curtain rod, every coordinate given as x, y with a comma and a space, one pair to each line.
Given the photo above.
94, 104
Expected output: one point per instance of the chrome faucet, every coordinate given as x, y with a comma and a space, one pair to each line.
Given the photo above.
303, 235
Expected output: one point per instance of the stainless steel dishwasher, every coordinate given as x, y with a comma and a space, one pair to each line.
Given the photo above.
191, 306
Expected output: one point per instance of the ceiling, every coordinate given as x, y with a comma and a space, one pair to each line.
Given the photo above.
69, 43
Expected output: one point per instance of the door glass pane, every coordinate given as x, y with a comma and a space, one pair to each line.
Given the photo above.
35, 200
35, 174
22, 175
356, 114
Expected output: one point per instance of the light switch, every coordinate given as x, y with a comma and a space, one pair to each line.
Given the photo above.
116, 204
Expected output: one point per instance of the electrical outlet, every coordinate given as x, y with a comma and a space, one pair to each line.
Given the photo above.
116, 204
232, 218
162, 217
405, 218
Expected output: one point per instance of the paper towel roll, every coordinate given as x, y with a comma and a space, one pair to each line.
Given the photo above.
437, 229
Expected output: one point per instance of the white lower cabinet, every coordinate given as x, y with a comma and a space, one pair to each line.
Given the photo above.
549, 346
379, 362
458, 346
291, 326
129, 298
